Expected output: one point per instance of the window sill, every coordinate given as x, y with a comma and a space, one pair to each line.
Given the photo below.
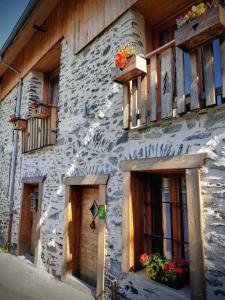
162, 289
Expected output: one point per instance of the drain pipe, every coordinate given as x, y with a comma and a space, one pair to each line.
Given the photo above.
14, 152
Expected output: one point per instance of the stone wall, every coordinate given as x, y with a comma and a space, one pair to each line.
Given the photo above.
96, 144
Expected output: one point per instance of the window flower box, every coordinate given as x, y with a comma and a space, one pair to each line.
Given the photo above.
20, 124
201, 29
41, 112
136, 65
173, 273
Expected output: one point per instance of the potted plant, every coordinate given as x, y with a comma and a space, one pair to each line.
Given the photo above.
129, 65
173, 273
40, 110
204, 22
19, 124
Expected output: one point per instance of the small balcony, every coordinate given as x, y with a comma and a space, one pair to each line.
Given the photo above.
178, 83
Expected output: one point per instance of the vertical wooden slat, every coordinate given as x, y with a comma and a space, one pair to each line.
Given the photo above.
143, 108
148, 100
180, 81
222, 57
28, 135
153, 88
139, 98
166, 84
126, 104
209, 75
197, 280
134, 103
52, 125
43, 132
194, 81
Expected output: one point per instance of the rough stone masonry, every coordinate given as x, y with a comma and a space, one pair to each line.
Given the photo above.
96, 144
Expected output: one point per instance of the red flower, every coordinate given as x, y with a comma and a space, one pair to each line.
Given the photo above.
12, 118
183, 261
175, 258
165, 267
171, 265
120, 60
144, 257
179, 270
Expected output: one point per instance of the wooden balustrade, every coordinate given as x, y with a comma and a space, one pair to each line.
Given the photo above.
160, 94
39, 133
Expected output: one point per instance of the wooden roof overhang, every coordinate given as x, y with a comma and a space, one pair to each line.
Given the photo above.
39, 14
159, 11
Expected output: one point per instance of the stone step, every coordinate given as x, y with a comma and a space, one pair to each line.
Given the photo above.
79, 285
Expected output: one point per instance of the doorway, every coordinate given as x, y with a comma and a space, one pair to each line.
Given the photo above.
29, 229
83, 233
84, 238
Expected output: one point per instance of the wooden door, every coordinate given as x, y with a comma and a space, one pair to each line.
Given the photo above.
34, 229
25, 222
29, 232
89, 236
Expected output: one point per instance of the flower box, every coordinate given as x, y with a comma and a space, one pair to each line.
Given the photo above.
136, 65
41, 112
20, 124
173, 273
202, 29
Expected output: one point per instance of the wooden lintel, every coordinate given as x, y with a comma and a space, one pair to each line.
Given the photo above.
33, 180
186, 161
87, 180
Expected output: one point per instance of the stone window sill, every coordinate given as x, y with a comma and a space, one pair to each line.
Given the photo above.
164, 290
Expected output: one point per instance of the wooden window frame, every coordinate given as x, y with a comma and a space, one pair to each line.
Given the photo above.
79, 181
191, 164
48, 77
40, 182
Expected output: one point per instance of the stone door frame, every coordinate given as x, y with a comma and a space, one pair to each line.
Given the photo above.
39, 181
191, 165
101, 182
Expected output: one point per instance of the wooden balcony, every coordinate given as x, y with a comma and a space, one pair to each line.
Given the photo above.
39, 133
173, 86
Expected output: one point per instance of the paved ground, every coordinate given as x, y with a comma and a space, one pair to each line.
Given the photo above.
21, 281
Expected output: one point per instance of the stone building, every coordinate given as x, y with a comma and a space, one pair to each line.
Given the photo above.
86, 140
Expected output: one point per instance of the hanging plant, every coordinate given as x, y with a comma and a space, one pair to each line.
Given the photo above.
196, 11
13, 119
123, 55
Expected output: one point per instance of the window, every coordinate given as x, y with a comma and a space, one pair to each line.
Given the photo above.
166, 228
160, 215
51, 87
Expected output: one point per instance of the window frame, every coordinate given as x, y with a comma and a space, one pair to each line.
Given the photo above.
191, 165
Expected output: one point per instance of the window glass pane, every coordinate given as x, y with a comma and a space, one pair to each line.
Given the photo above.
166, 207
185, 217
217, 68
157, 234
187, 73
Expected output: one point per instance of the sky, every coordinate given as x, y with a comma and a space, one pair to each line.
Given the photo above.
10, 12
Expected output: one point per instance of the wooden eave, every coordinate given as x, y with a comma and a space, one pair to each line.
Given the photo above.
159, 11
39, 15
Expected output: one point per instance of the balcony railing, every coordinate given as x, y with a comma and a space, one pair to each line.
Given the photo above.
39, 133
176, 84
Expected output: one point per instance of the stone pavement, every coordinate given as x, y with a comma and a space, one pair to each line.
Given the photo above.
21, 281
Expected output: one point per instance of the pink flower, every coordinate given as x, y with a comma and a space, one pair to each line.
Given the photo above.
12, 118
144, 257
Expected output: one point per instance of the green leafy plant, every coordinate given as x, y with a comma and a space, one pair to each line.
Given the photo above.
161, 269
